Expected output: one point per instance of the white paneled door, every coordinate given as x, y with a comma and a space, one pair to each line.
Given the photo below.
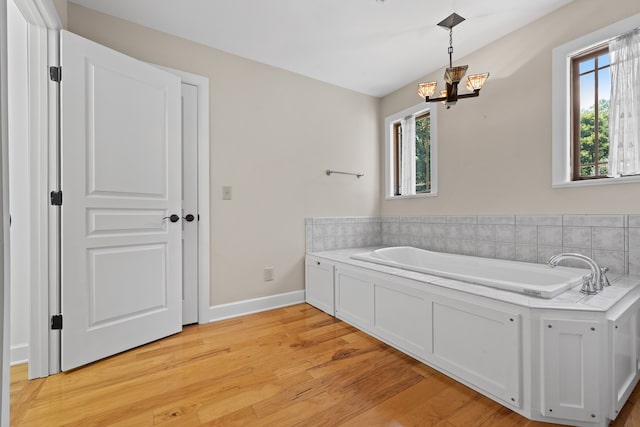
121, 183
189, 204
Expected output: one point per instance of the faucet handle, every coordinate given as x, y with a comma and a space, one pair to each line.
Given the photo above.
588, 286
604, 280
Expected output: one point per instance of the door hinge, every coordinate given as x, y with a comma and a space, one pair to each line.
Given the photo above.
56, 322
56, 198
55, 74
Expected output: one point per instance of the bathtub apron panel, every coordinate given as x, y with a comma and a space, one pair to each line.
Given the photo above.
571, 369
477, 343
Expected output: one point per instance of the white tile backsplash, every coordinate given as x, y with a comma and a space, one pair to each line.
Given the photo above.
614, 260
497, 219
487, 249
453, 246
461, 231
579, 237
486, 233
634, 250
469, 247
527, 253
539, 220
576, 220
612, 240
505, 233
593, 220
462, 219
526, 234
607, 238
506, 251
634, 221
546, 252
550, 235
434, 219
607, 220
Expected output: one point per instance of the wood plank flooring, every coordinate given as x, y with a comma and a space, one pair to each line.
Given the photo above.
293, 366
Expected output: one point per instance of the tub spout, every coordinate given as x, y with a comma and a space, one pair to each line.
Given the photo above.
592, 282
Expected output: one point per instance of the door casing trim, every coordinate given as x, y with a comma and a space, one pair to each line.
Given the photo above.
43, 25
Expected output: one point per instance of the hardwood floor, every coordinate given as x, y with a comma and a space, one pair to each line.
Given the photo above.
287, 367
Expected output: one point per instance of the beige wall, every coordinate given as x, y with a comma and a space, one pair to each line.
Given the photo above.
272, 135
61, 8
495, 150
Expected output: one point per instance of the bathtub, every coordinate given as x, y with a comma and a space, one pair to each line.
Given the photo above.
532, 279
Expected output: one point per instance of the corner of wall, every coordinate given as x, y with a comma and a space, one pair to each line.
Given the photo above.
61, 8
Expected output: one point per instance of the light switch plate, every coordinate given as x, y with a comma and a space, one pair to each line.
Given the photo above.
226, 192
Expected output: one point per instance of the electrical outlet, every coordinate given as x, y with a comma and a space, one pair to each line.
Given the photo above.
226, 192
268, 274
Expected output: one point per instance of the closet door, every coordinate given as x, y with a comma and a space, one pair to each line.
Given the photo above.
121, 183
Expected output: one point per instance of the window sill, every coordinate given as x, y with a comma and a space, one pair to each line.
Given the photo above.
592, 182
411, 196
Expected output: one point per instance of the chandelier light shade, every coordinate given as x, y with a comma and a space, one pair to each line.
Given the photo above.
475, 81
425, 90
453, 75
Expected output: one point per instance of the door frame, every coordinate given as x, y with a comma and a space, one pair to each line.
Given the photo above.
44, 344
204, 288
4, 223
44, 23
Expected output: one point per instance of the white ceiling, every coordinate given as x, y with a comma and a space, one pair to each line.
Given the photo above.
369, 46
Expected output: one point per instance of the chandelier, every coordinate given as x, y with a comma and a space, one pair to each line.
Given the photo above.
452, 75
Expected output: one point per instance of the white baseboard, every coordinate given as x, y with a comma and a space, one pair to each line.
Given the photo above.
19, 354
250, 306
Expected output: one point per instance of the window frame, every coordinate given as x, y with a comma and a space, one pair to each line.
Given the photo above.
397, 128
561, 171
392, 173
589, 54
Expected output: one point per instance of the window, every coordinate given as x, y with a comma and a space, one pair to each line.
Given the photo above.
423, 149
420, 153
411, 153
590, 96
580, 108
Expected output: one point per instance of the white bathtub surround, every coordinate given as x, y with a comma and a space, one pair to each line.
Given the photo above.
632, 240
609, 239
569, 360
341, 232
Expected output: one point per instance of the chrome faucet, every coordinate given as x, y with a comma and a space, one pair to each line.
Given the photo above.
592, 283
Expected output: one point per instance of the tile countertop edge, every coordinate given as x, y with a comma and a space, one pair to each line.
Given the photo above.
569, 300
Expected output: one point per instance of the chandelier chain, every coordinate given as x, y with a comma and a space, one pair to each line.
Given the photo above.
450, 47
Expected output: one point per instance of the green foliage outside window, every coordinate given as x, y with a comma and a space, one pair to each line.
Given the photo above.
423, 148
589, 140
